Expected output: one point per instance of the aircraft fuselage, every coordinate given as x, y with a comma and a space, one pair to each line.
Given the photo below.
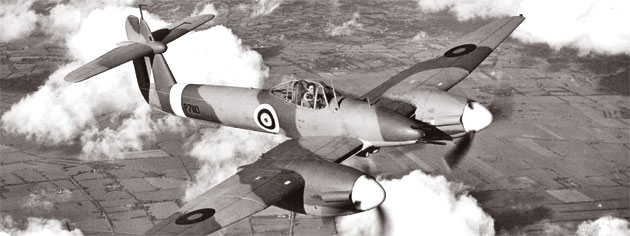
260, 110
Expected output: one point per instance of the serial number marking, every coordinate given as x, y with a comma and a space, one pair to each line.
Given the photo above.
191, 108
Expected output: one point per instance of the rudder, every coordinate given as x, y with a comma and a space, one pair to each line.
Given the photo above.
144, 48
152, 71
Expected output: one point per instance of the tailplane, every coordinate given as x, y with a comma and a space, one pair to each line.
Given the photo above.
145, 49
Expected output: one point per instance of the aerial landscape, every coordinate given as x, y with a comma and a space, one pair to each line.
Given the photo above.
93, 159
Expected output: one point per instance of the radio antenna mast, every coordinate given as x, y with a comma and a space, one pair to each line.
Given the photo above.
332, 83
140, 7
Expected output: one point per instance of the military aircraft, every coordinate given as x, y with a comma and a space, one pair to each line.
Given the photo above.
325, 127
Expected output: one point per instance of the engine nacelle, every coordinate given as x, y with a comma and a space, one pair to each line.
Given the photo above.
453, 114
331, 189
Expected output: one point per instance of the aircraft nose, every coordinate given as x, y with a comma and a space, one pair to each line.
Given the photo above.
367, 193
476, 117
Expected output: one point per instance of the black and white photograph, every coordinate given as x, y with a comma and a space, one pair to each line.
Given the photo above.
315, 118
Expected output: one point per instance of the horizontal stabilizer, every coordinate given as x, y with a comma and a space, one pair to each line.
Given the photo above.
177, 29
108, 61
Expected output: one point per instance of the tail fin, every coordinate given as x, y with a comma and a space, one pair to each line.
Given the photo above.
145, 49
152, 72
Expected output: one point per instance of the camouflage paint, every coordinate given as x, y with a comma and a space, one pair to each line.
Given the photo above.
242, 108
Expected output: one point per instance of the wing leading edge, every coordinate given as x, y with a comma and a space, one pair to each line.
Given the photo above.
254, 187
243, 194
453, 65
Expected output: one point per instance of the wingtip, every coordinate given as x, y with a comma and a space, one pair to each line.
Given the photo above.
70, 78
204, 17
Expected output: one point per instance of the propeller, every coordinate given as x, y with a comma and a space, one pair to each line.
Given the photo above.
432, 133
383, 220
457, 154
503, 109
502, 105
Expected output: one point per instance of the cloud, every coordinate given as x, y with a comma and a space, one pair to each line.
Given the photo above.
468, 9
222, 151
264, 7
588, 25
45, 200
420, 36
107, 115
216, 56
17, 20
420, 204
35, 226
607, 225
604, 226
347, 28
207, 9
61, 113
131, 134
36, 201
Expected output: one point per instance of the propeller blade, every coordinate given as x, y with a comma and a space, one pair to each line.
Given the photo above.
383, 220
502, 110
455, 156
431, 132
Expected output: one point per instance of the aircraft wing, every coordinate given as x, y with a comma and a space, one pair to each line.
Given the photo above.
243, 194
254, 187
333, 149
453, 65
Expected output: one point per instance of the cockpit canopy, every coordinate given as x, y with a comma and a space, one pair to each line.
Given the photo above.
305, 93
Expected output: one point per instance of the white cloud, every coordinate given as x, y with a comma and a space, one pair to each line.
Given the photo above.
264, 7
17, 20
467, 9
36, 200
44, 200
347, 28
605, 226
420, 204
588, 25
131, 134
61, 113
420, 36
216, 56
207, 9
34, 227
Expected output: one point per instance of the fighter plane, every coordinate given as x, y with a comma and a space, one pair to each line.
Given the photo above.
304, 174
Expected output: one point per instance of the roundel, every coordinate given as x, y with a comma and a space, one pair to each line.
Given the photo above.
460, 50
266, 118
195, 216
